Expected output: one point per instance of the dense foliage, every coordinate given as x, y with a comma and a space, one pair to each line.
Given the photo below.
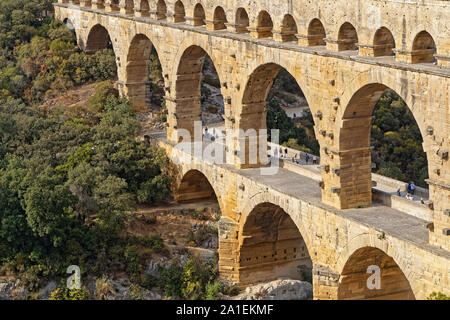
68, 182
290, 134
194, 280
397, 141
69, 176
39, 57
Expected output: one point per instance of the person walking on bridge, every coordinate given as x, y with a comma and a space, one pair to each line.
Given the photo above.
413, 187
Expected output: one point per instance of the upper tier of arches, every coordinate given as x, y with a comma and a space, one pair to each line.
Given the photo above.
379, 34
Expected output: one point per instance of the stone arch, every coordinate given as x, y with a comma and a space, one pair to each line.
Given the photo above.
242, 21
423, 48
114, 5
145, 8
98, 39
161, 10
288, 29
138, 84
253, 109
195, 186
199, 15
129, 7
99, 4
69, 24
219, 19
354, 274
291, 209
373, 86
179, 12
264, 25
383, 43
347, 37
354, 151
316, 33
271, 247
185, 103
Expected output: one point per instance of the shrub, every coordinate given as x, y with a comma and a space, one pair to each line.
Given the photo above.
438, 296
149, 281
64, 293
171, 279
132, 260
213, 290
103, 288
136, 292
196, 275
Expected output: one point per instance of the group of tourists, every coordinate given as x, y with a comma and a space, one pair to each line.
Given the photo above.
296, 157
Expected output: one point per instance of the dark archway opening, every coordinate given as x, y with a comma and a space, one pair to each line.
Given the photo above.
423, 49
383, 43
242, 21
129, 7
98, 39
180, 14
194, 187
220, 19
264, 25
115, 5
199, 15
316, 33
272, 247
354, 282
161, 10
145, 8
347, 38
288, 29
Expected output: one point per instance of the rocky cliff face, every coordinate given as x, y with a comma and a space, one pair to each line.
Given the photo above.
278, 290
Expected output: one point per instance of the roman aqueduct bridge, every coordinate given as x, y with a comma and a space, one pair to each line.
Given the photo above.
343, 55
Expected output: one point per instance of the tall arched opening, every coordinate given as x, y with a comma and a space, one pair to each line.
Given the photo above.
145, 84
161, 10
273, 100
378, 133
197, 93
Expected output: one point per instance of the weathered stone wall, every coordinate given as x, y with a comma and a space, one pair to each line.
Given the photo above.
341, 89
330, 238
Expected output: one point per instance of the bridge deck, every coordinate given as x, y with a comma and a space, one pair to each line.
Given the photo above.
379, 217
